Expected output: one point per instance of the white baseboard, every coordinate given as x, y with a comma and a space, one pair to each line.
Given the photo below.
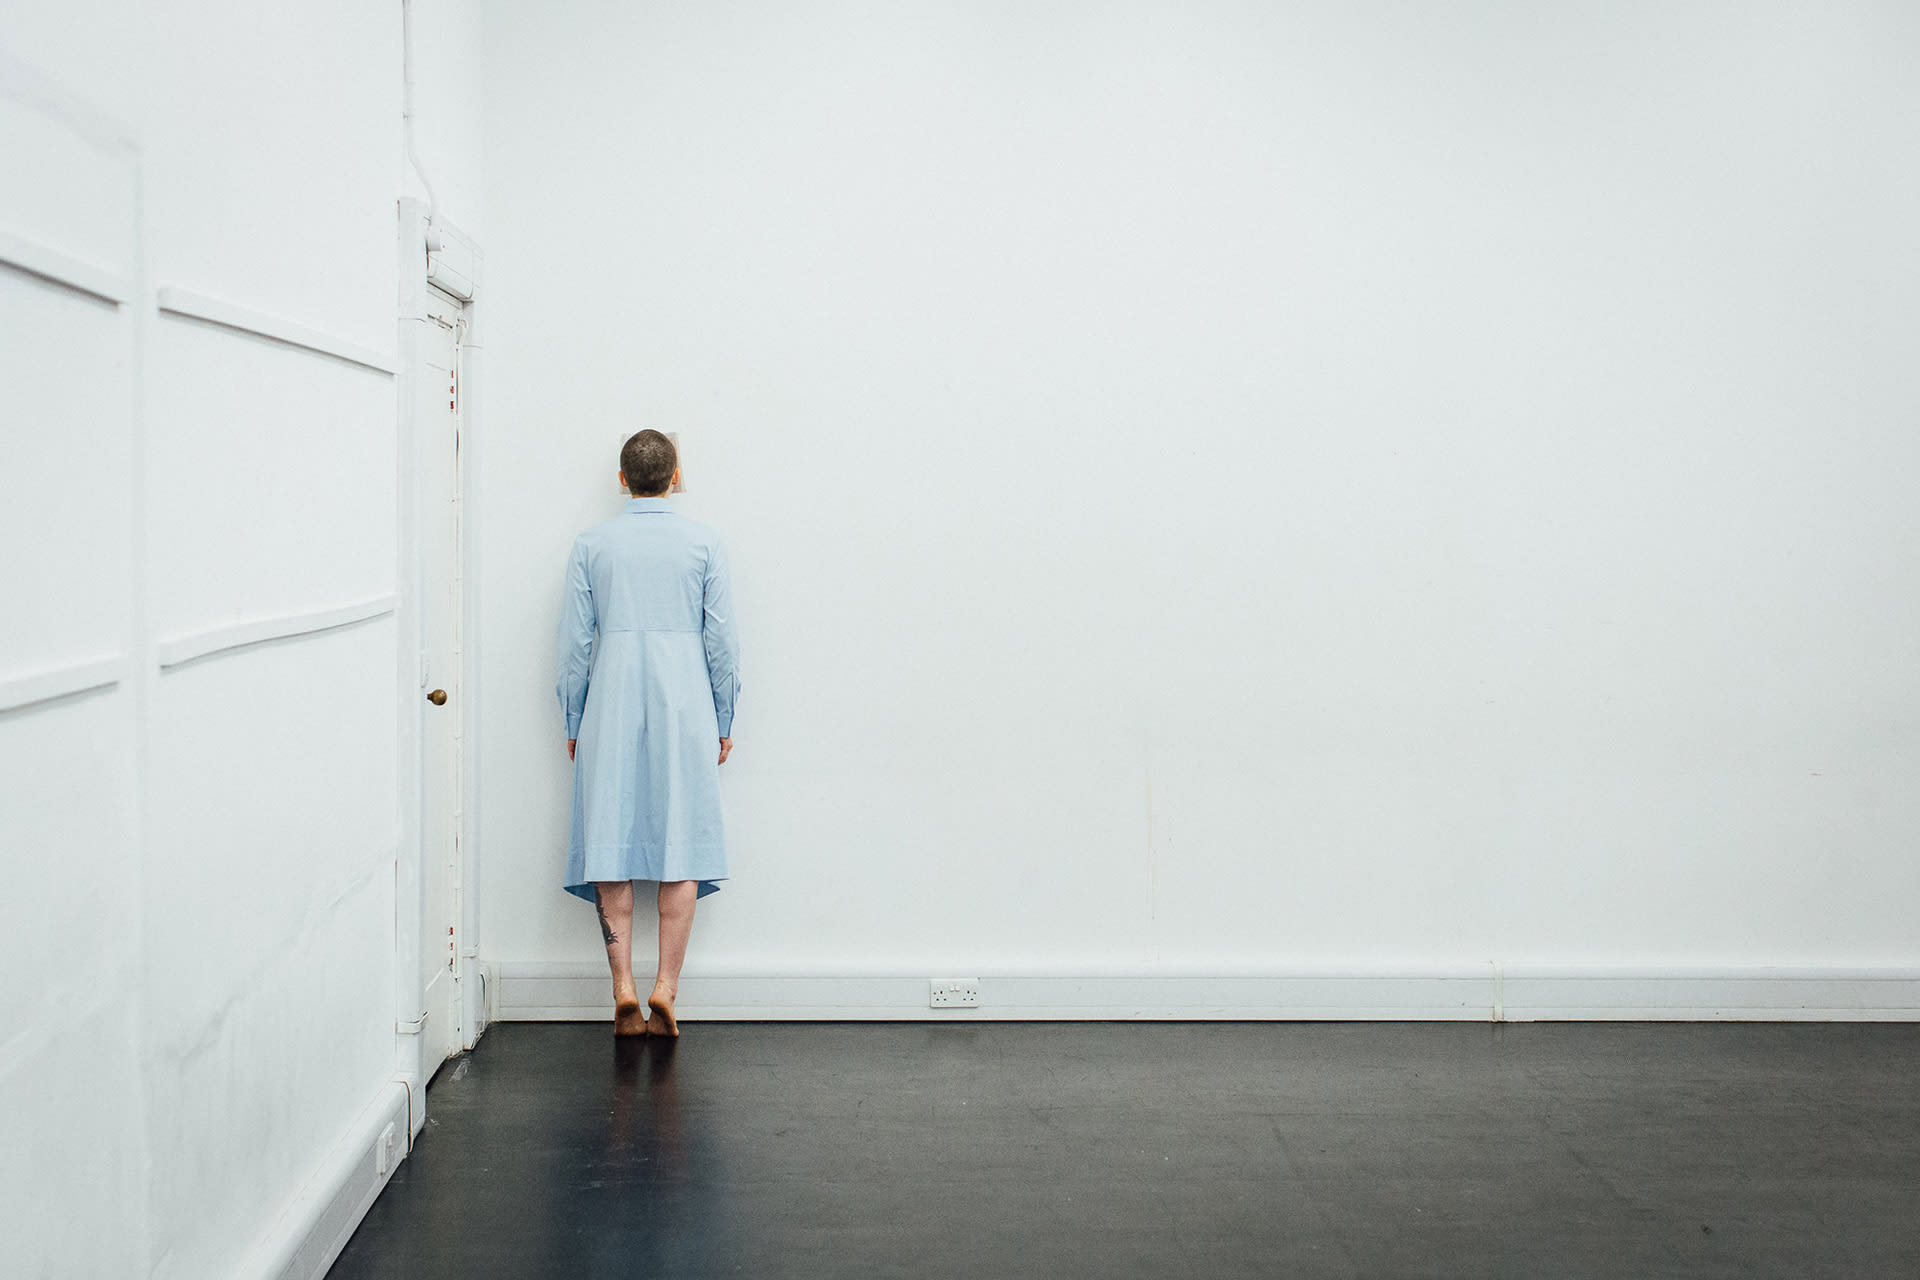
539, 991
1712, 995
316, 1226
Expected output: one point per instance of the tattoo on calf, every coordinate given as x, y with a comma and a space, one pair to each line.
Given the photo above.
606, 926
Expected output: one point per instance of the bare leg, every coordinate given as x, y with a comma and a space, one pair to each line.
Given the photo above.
614, 901
676, 923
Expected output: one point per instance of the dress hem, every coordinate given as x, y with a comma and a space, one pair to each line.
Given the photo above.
584, 889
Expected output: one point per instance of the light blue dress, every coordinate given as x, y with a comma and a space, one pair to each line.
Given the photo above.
649, 699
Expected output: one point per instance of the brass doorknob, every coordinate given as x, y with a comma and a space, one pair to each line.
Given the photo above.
438, 697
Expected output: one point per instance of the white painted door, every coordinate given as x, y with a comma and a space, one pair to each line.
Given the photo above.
437, 419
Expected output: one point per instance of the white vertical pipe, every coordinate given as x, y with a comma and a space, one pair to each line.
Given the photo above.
408, 886
406, 107
473, 994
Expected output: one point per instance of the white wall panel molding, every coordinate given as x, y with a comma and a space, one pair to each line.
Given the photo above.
176, 301
303, 1243
533, 991
238, 635
62, 681
51, 264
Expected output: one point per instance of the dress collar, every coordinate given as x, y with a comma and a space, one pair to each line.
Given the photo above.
638, 506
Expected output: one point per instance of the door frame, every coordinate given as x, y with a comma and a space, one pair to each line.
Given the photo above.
413, 575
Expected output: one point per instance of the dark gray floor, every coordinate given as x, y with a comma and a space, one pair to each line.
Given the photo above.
1164, 1149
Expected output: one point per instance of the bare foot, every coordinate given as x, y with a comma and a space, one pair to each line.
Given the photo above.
629, 1015
662, 1022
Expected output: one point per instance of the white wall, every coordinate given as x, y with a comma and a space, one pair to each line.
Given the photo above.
198, 926
1221, 487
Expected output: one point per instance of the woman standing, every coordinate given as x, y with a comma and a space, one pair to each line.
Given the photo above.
649, 675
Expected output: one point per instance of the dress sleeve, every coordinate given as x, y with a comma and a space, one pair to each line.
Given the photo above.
577, 623
722, 641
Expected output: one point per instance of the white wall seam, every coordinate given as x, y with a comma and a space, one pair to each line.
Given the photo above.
143, 673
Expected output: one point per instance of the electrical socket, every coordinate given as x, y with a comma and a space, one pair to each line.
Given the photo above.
389, 1150
955, 993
